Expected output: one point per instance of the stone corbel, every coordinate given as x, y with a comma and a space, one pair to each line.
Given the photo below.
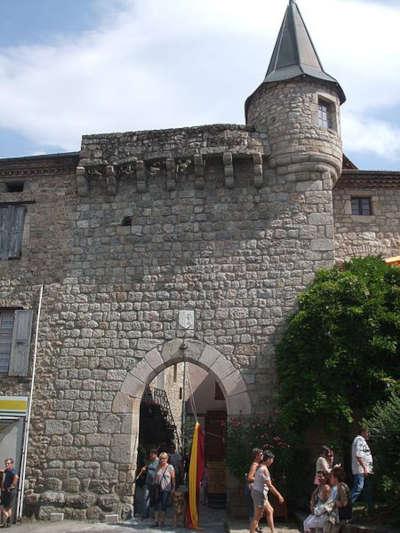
228, 170
199, 171
258, 170
141, 176
171, 174
111, 179
82, 182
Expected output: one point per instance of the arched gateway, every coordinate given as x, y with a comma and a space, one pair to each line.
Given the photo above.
126, 404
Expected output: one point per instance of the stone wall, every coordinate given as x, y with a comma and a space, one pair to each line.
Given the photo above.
378, 234
155, 223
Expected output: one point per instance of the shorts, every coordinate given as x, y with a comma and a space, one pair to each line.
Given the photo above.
7, 498
259, 498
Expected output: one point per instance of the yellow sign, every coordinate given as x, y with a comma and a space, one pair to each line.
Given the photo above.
13, 404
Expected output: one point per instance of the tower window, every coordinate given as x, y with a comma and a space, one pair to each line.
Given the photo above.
326, 114
15, 186
361, 206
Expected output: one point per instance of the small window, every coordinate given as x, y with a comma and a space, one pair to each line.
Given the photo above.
361, 206
218, 395
175, 373
180, 393
326, 114
11, 229
15, 186
126, 221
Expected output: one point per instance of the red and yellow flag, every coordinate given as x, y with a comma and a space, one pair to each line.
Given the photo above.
196, 469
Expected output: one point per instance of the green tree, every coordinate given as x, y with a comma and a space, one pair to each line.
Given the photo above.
384, 426
340, 353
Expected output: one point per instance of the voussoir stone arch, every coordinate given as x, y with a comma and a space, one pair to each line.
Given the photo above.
177, 351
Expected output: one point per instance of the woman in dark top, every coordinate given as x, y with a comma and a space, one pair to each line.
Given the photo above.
8, 492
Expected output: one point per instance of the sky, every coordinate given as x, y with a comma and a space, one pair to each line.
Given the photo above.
77, 67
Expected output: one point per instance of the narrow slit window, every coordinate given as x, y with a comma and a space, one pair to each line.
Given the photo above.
361, 206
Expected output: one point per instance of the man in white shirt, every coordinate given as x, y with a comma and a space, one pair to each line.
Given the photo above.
362, 467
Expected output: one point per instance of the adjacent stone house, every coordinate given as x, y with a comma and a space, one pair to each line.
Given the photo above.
155, 247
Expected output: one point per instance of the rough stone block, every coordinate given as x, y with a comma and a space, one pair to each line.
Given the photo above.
56, 517
222, 368
111, 518
209, 356
57, 427
121, 449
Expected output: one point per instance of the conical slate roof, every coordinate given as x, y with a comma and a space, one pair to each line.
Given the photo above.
295, 54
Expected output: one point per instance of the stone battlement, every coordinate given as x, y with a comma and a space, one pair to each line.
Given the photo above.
139, 155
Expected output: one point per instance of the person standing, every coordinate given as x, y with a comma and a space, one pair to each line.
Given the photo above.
150, 471
8, 492
261, 486
257, 455
362, 468
165, 483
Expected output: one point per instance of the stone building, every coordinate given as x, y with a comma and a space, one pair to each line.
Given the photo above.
155, 247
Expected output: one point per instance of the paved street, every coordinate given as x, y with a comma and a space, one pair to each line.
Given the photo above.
212, 522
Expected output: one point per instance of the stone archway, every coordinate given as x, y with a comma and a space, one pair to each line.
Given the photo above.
126, 404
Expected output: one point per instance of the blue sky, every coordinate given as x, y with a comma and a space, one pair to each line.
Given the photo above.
91, 66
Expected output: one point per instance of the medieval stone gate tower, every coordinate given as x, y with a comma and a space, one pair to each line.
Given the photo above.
228, 221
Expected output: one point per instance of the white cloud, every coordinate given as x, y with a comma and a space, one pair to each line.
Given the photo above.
156, 64
363, 134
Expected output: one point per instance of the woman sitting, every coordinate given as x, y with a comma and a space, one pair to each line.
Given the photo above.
339, 505
316, 520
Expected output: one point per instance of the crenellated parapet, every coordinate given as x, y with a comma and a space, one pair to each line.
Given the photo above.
140, 156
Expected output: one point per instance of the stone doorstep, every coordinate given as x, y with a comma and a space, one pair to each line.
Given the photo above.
348, 528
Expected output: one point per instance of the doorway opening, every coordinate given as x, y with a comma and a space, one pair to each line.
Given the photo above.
175, 399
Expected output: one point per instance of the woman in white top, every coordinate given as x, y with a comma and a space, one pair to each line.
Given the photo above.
261, 486
324, 462
165, 482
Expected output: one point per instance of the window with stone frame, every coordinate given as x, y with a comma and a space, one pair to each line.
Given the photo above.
12, 217
15, 340
326, 114
361, 206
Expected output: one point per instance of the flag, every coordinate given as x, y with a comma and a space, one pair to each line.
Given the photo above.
196, 469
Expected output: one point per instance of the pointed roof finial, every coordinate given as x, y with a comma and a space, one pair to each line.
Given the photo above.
295, 54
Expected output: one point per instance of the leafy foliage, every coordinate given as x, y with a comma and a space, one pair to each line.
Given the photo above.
246, 433
340, 354
384, 425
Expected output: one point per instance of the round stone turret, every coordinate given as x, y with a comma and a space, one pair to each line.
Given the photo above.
298, 103
302, 120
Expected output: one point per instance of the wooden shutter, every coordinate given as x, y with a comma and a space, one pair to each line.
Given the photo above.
5, 220
21, 343
6, 333
16, 231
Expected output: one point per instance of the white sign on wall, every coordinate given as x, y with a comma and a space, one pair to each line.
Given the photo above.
186, 319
